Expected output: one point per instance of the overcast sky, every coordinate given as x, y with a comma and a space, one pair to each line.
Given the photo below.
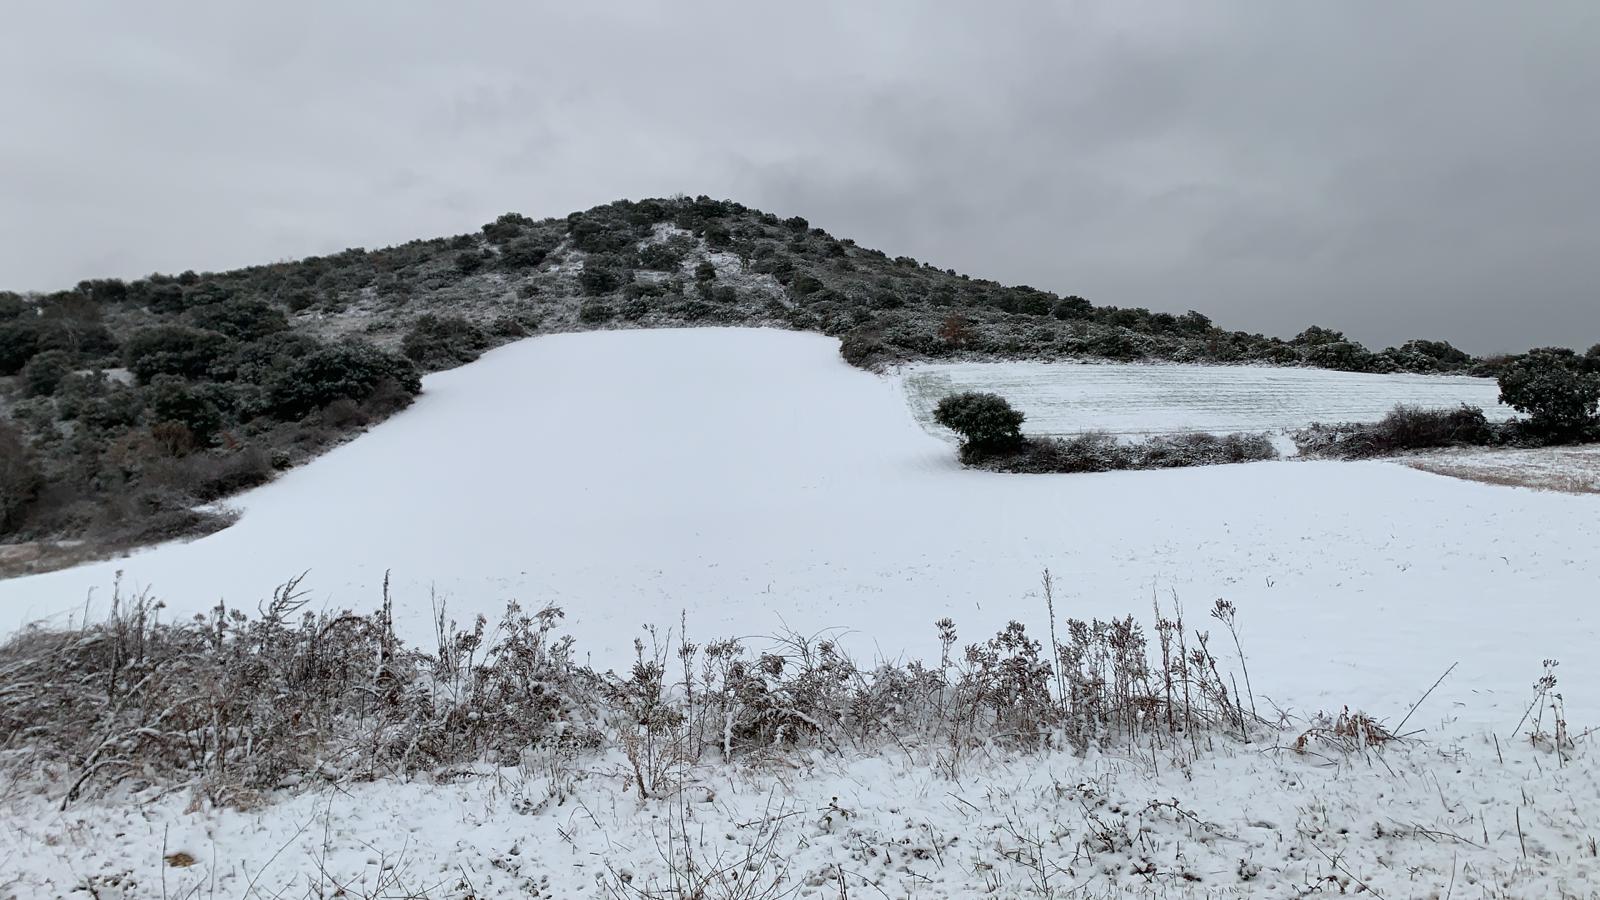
1392, 169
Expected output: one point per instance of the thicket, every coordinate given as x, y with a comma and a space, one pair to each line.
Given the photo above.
1558, 389
1403, 428
115, 433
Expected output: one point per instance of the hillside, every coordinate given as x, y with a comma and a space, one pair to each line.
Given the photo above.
783, 539
126, 404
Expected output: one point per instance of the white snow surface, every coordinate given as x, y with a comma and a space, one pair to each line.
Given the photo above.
751, 479
1144, 399
1457, 817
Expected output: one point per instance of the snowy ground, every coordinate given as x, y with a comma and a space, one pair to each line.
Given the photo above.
1066, 398
754, 481
1459, 816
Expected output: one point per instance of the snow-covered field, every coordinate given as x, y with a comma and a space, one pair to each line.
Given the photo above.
1137, 399
752, 481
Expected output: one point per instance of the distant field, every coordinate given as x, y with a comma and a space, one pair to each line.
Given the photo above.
1137, 399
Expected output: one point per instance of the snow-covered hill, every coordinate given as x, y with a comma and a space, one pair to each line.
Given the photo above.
752, 479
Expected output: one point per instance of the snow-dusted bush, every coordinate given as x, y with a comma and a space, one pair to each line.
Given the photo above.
1100, 452
235, 706
442, 342
862, 347
1404, 428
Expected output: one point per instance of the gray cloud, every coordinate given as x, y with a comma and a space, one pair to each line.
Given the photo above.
1395, 170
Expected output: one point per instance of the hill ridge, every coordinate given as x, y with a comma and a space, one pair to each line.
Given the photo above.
125, 404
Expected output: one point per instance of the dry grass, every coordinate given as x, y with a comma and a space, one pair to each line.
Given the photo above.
1572, 470
232, 706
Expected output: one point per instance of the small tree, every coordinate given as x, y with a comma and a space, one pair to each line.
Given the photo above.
1551, 386
986, 422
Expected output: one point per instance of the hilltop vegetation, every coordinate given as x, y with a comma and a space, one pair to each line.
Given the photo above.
126, 404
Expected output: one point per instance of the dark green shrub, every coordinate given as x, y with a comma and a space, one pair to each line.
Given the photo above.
1591, 359
174, 350
11, 305
104, 290
595, 232
1099, 452
1344, 356
241, 319
440, 342
597, 279
986, 422
1429, 356
1404, 428
468, 261
1114, 344
594, 313
526, 253
663, 256
506, 228
350, 369
1316, 335
1551, 385
1034, 303
44, 372
19, 341
223, 474
805, 284
863, 347
199, 408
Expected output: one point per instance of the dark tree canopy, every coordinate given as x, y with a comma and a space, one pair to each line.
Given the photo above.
986, 422
174, 350
351, 370
1553, 387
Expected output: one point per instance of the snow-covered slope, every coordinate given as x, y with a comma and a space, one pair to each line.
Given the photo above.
752, 479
